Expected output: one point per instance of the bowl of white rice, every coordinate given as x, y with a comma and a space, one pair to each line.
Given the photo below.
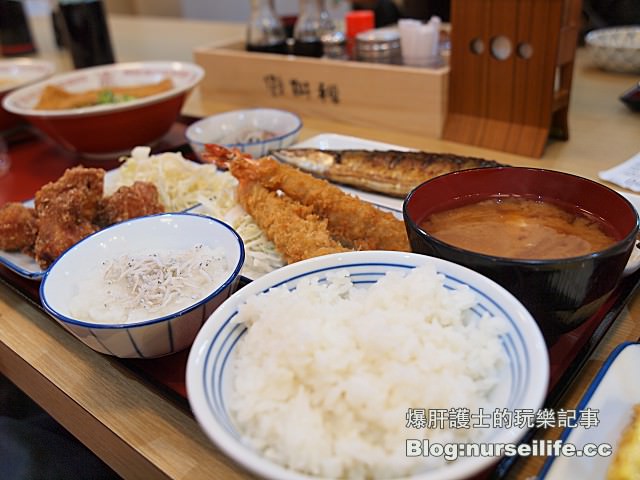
143, 288
367, 364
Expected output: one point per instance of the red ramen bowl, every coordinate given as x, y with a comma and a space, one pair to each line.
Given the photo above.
116, 125
561, 293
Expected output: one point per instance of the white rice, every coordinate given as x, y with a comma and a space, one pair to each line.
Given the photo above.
326, 373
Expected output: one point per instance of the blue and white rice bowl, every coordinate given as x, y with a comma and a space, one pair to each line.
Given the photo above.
231, 128
522, 384
153, 337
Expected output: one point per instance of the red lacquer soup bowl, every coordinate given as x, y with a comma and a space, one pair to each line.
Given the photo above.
561, 293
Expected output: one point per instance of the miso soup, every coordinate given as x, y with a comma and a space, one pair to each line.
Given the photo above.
520, 228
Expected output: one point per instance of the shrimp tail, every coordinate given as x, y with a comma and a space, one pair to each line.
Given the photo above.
221, 156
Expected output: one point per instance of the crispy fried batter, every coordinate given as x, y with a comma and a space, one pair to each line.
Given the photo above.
18, 227
76, 193
128, 202
296, 232
55, 237
66, 209
354, 222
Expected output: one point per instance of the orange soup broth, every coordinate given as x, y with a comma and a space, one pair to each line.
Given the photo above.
520, 227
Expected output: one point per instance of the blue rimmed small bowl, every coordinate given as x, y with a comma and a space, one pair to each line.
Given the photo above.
522, 385
153, 337
233, 129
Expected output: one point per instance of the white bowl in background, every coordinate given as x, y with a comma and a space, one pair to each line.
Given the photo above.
616, 49
523, 384
153, 337
16, 73
232, 129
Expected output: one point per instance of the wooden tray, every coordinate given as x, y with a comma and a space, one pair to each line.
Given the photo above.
567, 354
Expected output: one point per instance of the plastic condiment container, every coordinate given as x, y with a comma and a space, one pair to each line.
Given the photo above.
357, 21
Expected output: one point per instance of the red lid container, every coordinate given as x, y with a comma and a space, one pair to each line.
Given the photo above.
358, 21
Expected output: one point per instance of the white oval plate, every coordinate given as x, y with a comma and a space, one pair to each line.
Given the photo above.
613, 392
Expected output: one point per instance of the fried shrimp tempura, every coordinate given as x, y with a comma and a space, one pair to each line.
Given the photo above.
128, 202
354, 222
18, 227
295, 231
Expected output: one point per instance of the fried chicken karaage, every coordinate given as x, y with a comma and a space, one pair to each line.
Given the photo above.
18, 227
128, 202
70, 209
66, 209
78, 190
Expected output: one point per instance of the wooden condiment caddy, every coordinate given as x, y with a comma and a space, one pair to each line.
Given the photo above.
513, 103
413, 100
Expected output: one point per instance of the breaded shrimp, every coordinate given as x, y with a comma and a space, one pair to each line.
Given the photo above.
354, 222
295, 231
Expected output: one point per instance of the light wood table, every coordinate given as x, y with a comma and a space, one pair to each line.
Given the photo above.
136, 428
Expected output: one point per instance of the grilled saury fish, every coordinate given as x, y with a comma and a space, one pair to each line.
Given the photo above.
391, 172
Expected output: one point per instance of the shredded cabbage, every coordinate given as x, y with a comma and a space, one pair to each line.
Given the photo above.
183, 184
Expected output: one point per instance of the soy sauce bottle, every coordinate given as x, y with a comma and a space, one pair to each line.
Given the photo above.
265, 32
57, 23
313, 22
86, 33
15, 33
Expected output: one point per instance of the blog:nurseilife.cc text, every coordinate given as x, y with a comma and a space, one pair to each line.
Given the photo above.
537, 448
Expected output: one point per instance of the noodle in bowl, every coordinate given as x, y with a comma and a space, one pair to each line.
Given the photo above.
143, 288
311, 371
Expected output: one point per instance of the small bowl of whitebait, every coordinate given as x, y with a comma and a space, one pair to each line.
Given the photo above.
144, 287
